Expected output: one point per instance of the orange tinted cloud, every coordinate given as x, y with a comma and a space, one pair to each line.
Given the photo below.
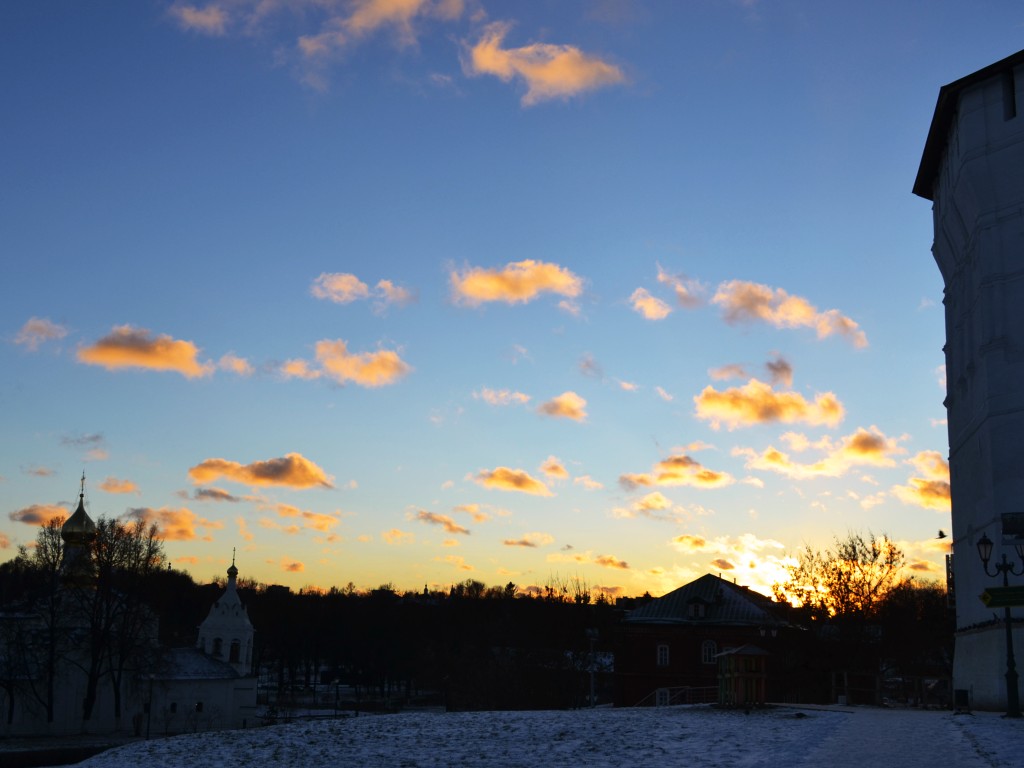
757, 403
113, 485
531, 540
678, 469
367, 369
368, 16
730, 371
293, 471
553, 467
443, 520
505, 479
605, 561
243, 529
38, 330
5, 542
215, 494
316, 521
298, 369
689, 543
474, 511
291, 566
567, 405
174, 524
395, 536
745, 301
651, 307
865, 447
38, 514
549, 71
516, 283
388, 293
930, 491
588, 482
235, 364
339, 287
688, 292
501, 397
128, 347
456, 561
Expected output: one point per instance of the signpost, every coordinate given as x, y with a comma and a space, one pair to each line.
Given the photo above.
1002, 597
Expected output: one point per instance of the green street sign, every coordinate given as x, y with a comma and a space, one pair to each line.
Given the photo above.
1002, 597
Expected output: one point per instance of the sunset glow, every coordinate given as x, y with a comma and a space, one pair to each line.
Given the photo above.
414, 291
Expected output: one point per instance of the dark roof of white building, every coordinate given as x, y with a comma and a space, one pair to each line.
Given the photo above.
945, 109
191, 664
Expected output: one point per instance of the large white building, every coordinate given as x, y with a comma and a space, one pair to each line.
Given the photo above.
972, 170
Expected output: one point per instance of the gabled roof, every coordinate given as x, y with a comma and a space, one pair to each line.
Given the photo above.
724, 603
945, 110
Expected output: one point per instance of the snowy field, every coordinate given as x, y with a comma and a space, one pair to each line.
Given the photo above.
694, 737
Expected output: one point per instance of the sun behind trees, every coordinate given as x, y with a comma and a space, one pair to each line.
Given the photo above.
852, 578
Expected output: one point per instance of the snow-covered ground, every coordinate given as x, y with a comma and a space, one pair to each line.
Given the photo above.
694, 737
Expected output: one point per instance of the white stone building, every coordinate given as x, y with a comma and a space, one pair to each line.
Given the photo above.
972, 170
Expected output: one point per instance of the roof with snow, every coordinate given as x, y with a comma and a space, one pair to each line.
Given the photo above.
192, 664
709, 600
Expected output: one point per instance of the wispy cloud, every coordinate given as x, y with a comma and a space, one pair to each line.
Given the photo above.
553, 468
339, 287
530, 540
757, 403
583, 558
689, 293
516, 283
37, 331
549, 71
129, 347
450, 526
501, 396
211, 20
292, 470
743, 301
396, 536
235, 364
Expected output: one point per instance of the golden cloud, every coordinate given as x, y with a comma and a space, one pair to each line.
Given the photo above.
316, 521
746, 301
862, 448
396, 536
38, 330
113, 485
678, 469
505, 479
128, 347
5, 542
38, 514
367, 369
339, 287
930, 491
293, 471
609, 561
291, 566
553, 467
583, 558
531, 540
549, 71
174, 524
567, 405
516, 283
501, 397
368, 16
444, 521
651, 307
757, 403
388, 293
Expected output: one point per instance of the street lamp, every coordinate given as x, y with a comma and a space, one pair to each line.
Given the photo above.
1005, 567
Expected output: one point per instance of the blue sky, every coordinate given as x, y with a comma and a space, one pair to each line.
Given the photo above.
419, 291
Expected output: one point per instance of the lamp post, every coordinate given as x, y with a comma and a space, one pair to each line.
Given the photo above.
1005, 567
